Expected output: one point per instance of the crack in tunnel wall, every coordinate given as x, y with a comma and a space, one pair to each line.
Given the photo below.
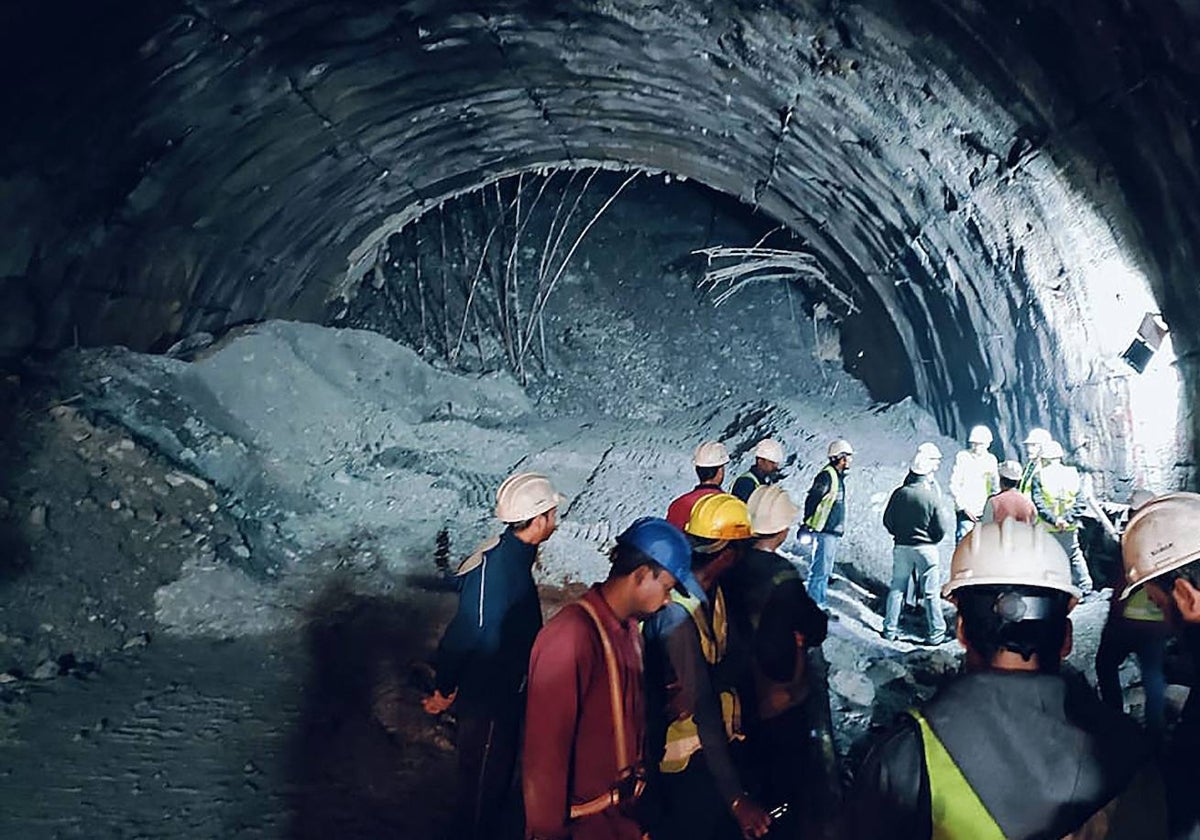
188, 166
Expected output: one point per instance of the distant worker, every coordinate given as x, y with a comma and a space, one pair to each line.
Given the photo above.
784, 624
709, 459
768, 456
972, 480
1160, 548
583, 767
1012, 748
484, 653
1010, 502
1135, 625
691, 686
1058, 494
1034, 441
913, 517
825, 518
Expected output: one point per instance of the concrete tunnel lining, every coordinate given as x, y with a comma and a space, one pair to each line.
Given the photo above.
958, 175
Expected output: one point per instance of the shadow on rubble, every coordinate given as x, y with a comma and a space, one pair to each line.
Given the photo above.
14, 547
366, 761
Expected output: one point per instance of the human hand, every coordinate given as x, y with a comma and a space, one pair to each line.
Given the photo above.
751, 818
437, 702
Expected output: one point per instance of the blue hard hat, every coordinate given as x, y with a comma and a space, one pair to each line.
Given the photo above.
663, 543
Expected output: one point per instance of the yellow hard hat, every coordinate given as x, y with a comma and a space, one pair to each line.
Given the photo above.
719, 516
771, 510
1161, 537
1013, 553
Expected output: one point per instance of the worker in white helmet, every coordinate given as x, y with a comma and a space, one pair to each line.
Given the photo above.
914, 519
973, 479
1058, 494
768, 457
1033, 443
1160, 548
825, 518
709, 461
1012, 747
484, 653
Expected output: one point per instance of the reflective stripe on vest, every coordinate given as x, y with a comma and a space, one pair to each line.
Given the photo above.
1060, 489
956, 812
683, 739
750, 475
821, 515
1139, 607
1031, 469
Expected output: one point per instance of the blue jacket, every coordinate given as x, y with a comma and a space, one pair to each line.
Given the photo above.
484, 652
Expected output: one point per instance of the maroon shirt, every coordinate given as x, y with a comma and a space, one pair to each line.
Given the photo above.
570, 747
1010, 504
681, 509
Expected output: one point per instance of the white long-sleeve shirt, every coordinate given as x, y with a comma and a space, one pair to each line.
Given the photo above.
975, 477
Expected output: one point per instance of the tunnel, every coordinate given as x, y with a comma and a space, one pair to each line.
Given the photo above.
288, 287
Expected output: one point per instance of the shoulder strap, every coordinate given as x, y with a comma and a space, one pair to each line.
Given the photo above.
614, 688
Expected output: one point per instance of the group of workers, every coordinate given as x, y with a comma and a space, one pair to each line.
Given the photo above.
669, 701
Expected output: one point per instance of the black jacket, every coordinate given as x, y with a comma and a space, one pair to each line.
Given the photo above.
913, 515
1040, 750
484, 652
750, 481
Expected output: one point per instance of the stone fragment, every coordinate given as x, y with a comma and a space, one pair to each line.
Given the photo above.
37, 516
47, 670
854, 687
138, 641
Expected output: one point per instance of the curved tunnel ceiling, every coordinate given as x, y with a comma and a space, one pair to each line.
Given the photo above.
1008, 182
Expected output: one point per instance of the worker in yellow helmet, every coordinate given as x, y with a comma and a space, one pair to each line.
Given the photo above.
1012, 748
692, 701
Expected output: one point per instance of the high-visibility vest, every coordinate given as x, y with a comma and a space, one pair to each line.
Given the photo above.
1031, 469
1060, 486
957, 812
1139, 607
683, 739
821, 515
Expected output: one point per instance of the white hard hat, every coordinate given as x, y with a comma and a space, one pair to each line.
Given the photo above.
1161, 537
980, 434
840, 447
1037, 437
1012, 553
525, 495
769, 450
1011, 470
771, 509
927, 459
1052, 449
711, 453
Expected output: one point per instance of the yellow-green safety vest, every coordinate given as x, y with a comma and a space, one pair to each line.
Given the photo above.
1061, 486
683, 739
1139, 607
1031, 469
821, 515
957, 813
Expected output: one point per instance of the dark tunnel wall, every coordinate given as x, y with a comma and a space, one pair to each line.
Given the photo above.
176, 166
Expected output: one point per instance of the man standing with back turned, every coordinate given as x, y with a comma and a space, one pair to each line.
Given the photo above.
483, 655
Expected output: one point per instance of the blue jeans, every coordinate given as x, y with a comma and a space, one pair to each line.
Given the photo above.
962, 527
923, 559
824, 554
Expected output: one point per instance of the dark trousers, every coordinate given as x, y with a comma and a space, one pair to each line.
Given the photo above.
782, 748
1120, 638
691, 807
489, 807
